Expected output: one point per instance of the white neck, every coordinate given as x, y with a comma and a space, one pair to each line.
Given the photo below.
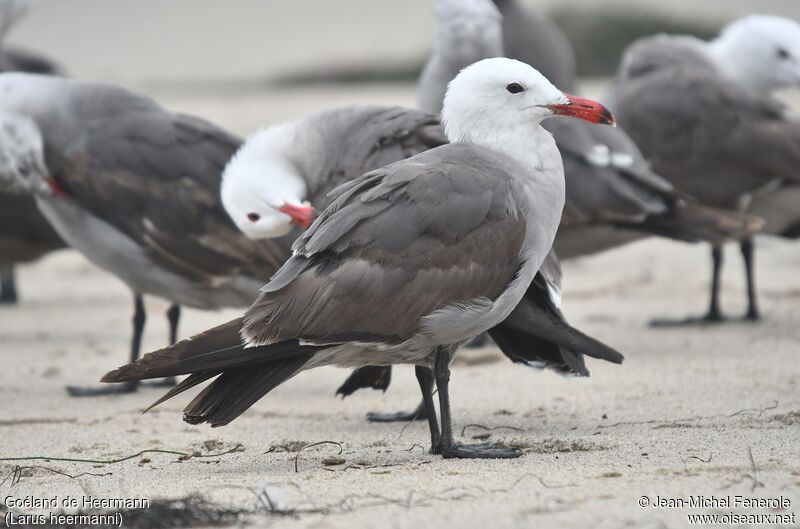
725, 57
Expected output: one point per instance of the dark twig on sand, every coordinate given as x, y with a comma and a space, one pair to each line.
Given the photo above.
184, 455
316, 444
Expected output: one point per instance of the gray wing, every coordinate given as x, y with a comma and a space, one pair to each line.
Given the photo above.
357, 139
708, 137
155, 176
438, 229
532, 38
607, 177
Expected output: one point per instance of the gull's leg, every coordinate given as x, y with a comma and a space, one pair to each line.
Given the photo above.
8, 287
714, 314
448, 446
173, 316
425, 379
748, 248
139, 318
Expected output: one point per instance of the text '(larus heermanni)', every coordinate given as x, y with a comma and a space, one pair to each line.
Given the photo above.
406, 263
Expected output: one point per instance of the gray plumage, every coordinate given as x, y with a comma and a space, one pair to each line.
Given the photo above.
532, 38
729, 146
613, 196
720, 143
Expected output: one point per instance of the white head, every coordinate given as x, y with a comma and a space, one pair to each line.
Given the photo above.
261, 190
760, 52
493, 98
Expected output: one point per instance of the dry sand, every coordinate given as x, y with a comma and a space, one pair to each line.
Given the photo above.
679, 418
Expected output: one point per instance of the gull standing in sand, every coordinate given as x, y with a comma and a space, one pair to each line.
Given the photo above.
702, 113
300, 161
407, 262
135, 188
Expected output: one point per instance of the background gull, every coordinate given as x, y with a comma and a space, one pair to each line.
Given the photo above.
24, 234
712, 128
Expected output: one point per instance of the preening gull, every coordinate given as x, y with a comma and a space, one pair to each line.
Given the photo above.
406, 263
135, 188
702, 113
24, 233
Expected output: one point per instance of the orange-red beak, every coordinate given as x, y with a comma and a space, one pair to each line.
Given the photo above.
301, 215
588, 109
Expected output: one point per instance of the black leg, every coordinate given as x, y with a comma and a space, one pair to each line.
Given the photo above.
448, 446
8, 287
139, 318
748, 248
714, 314
425, 379
173, 316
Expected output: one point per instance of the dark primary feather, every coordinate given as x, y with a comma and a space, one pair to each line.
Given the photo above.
375, 377
394, 246
243, 375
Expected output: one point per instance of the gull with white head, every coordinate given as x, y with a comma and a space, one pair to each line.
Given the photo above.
323, 150
702, 112
406, 263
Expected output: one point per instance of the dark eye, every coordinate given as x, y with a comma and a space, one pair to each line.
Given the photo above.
515, 88
253, 217
783, 53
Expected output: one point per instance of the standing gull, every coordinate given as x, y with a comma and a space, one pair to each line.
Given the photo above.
407, 262
300, 161
702, 113
135, 188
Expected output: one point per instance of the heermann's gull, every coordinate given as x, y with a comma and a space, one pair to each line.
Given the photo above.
408, 261
135, 188
711, 127
297, 162
24, 234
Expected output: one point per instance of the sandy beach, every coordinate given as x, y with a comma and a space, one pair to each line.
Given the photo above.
709, 411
